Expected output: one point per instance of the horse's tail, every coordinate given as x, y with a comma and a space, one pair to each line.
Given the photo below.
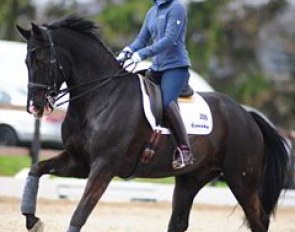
275, 165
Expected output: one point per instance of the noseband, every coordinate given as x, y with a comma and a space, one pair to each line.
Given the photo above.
55, 67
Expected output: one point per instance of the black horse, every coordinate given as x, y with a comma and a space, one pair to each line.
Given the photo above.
105, 132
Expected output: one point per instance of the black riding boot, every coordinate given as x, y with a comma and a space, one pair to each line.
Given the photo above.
182, 155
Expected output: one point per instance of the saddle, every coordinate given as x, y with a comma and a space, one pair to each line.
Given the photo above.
154, 93
155, 96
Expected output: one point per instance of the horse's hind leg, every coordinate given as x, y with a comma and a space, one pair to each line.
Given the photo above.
186, 188
62, 165
247, 196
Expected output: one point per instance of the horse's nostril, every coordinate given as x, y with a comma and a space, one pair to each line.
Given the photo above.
35, 107
32, 108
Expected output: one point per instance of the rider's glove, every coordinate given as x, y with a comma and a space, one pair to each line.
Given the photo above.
135, 58
125, 54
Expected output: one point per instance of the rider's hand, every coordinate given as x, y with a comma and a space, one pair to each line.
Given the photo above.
135, 58
124, 55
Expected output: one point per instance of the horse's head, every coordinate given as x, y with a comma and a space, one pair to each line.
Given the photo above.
45, 71
68, 50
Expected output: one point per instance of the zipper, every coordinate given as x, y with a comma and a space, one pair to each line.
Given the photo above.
156, 35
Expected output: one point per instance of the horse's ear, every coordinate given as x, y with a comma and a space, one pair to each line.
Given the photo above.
37, 31
25, 34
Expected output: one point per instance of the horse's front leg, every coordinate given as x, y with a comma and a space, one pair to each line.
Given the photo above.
100, 176
62, 165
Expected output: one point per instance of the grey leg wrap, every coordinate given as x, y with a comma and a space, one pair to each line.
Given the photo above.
29, 199
73, 229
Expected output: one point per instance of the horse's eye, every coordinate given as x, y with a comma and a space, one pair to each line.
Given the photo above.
40, 62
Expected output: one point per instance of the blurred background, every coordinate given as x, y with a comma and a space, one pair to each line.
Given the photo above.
243, 48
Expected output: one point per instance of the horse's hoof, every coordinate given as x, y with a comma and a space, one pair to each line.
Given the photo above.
38, 227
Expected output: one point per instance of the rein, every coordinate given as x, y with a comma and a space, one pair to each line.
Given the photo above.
53, 94
103, 81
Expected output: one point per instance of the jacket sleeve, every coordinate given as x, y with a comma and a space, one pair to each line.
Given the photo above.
175, 23
142, 38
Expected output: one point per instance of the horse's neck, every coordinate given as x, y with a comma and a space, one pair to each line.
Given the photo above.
90, 66
92, 63
93, 68
122, 91
89, 58
94, 81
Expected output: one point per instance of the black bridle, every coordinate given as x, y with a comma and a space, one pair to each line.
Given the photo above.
55, 67
53, 94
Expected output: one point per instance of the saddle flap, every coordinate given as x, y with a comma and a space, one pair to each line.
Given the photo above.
195, 112
154, 93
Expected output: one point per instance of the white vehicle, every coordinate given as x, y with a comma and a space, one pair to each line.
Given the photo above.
16, 124
17, 127
12, 64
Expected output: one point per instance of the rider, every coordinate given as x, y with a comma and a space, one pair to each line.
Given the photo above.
165, 26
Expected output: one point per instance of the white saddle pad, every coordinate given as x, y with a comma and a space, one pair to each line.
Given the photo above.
195, 113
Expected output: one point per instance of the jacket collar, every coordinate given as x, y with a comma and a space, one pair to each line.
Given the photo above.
161, 2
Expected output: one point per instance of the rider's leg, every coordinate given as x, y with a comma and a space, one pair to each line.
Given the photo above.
173, 81
183, 155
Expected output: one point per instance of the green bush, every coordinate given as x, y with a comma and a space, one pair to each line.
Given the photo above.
10, 165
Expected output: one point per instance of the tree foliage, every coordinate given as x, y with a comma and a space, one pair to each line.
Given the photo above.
12, 12
122, 21
204, 32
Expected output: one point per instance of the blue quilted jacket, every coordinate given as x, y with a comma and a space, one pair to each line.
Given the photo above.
162, 36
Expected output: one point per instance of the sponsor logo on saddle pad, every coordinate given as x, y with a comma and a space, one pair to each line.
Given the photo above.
195, 113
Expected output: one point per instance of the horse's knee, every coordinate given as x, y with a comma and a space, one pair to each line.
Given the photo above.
36, 169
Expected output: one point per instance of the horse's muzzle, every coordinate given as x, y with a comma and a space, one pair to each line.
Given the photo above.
38, 110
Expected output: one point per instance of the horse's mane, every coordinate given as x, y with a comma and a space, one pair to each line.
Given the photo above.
78, 24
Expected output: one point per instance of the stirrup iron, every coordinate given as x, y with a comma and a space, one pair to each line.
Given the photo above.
175, 162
